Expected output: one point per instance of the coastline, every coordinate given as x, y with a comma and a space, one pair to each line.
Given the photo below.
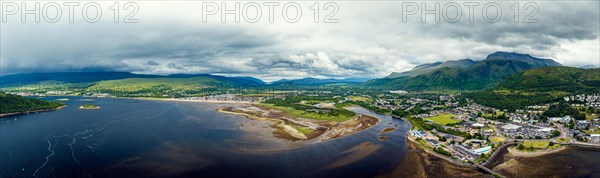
287, 127
279, 124
33, 111
89, 108
417, 145
197, 101
419, 162
527, 154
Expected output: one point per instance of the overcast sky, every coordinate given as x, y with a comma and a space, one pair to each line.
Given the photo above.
370, 39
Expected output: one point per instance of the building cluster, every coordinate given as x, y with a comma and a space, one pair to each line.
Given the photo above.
465, 150
592, 100
227, 98
523, 131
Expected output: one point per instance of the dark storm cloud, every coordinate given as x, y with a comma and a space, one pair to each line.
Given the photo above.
554, 21
368, 42
152, 63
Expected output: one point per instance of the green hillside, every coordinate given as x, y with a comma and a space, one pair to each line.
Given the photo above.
485, 74
156, 84
563, 79
540, 85
426, 68
482, 75
13, 103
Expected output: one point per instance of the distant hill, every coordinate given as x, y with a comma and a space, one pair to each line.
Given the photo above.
315, 81
589, 66
80, 77
462, 74
541, 85
15, 104
157, 84
425, 68
69, 77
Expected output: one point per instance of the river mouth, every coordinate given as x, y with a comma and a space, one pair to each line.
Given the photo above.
181, 139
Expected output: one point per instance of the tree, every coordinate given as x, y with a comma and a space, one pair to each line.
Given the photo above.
555, 133
520, 147
442, 139
571, 124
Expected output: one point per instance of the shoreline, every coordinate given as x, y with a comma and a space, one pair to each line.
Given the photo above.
286, 127
33, 111
419, 146
527, 154
420, 162
196, 101
88, 108
279, 124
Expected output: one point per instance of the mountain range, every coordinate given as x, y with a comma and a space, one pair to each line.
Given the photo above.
315, 81
136, 82
80, 77
462, 74
459, 75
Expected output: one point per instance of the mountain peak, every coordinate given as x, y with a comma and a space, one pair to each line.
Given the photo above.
507, 55
428, 67
540, 62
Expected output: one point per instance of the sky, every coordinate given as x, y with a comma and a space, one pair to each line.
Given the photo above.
363, 40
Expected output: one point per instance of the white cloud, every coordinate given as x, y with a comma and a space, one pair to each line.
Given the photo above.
370, 40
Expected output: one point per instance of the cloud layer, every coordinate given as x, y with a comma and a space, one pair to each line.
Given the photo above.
370, 40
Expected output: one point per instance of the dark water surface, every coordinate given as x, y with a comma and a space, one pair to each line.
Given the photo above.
571, 162
177, 139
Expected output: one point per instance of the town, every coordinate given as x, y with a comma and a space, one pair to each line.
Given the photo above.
449, 125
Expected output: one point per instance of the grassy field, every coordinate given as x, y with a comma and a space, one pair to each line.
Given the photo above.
359, 98
562, 140
304, 130
595, 131
444, 119
312, 102
589, 117
498, 139
536, 144
490, 114
139, 84
303, 114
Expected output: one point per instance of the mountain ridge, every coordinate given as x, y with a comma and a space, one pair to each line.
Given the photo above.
478, 76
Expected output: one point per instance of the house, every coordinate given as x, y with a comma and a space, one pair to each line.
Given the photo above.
511, 127
452, 137
575, 132
417, 133
560, 119
476, 141
478, 125
432, 142
545, 129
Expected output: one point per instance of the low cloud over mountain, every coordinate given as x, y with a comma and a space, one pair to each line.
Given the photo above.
366, 42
